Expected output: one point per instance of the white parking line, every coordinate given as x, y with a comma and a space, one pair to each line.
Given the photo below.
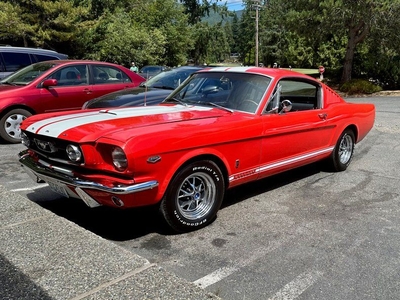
224, 272
29, 188
296, 287
215, 276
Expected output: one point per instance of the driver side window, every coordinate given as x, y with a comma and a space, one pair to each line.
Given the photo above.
302, 95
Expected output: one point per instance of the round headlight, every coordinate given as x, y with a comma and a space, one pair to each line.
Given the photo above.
119, 159
73, 152
25, 140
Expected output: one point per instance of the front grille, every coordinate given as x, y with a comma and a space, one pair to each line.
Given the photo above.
51, 148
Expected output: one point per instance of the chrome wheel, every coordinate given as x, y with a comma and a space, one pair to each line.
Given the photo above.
346, 149
343, 152
196, 196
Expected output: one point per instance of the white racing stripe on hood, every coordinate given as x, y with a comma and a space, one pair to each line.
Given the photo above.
53, 127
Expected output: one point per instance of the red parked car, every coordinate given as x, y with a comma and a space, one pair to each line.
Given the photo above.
56, 85
221, 128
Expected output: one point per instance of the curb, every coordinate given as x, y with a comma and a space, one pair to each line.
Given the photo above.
44, 256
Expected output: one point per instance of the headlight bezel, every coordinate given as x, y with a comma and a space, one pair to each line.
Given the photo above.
74, 153
119, 159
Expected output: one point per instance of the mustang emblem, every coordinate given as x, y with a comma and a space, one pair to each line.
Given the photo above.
45, 146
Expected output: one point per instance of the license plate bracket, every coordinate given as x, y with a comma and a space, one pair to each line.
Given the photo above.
59, 188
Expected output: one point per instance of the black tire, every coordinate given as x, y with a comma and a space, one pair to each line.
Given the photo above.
10, 125
193, 197
343, 152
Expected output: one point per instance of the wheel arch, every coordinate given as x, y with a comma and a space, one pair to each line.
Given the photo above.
18, 106
353, 128
217, 160
198, 157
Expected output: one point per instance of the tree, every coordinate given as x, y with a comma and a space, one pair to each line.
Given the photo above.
354, 19
167, 16
12, 26
197, 9
234, 41
41, 23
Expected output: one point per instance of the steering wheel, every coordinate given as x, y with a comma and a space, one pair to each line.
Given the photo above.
244, 106
251, 101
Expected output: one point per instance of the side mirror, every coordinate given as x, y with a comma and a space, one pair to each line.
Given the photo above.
49, 82
287, 106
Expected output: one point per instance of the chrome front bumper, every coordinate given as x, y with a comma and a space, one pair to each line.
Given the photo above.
40, 173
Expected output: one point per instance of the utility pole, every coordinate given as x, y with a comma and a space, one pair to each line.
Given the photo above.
256, 5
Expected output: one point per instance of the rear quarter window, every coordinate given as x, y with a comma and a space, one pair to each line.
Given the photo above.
15, 61
40, 57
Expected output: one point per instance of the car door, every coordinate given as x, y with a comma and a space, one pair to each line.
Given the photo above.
72, 89
297, 136
107, 79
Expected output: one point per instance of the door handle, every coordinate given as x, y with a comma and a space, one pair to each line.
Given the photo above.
87, 91
323, 116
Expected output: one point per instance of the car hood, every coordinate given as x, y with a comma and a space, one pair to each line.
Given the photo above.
8, 87
118, 124
138, 96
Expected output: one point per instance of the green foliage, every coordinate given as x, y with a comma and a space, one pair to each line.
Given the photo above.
356, 38
359, 86
40, 23
116, 38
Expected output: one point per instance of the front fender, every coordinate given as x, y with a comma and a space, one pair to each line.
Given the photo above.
178, 160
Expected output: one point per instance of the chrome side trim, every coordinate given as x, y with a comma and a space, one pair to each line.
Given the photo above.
274, 165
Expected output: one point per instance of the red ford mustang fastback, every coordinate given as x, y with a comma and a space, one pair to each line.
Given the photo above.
221, 128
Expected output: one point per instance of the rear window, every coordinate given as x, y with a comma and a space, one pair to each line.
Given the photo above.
40, 57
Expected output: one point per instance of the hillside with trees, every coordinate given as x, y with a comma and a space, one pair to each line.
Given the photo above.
352, 39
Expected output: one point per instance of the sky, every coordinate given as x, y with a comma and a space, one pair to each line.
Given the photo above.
234, 4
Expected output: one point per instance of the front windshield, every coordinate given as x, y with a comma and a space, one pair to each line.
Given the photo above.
27, 74
234, 91
170, 79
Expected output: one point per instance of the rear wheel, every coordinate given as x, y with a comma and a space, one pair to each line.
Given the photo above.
194, 196
343, 152
10, 125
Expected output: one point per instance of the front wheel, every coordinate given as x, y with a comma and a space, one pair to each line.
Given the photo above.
343, 152
10, 125
194, 196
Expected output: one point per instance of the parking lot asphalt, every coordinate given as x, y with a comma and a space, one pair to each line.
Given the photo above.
44, 256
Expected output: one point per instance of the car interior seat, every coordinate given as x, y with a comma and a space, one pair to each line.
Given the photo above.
71, 75
103, 76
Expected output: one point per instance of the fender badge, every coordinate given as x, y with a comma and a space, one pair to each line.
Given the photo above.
154, 159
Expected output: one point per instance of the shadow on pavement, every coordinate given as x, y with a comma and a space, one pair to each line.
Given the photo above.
121, 225
16, 285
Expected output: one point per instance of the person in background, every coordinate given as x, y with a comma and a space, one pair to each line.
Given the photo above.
134, 68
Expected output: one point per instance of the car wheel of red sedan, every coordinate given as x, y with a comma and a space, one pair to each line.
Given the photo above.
10, 125
343, 152
194, 196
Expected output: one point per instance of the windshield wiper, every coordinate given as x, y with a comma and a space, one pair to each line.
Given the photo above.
175, 100
164, 87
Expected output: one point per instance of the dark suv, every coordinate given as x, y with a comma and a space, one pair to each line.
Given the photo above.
14, 58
